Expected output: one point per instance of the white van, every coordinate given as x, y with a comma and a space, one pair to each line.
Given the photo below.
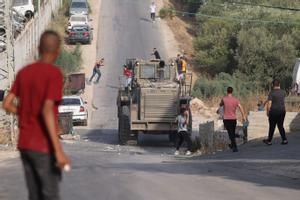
296, 75
24, 7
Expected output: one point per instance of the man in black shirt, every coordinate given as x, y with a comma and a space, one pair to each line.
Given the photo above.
156, 54
276, 112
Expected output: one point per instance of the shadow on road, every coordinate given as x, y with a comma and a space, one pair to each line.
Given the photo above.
268, 166
110, 137
145, 19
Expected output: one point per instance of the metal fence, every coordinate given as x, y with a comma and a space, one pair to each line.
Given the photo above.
24, 51
25, 46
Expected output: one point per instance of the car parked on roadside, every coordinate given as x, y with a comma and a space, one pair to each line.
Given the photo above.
24, 7
80, 34
79, 7
76, 105
78, 19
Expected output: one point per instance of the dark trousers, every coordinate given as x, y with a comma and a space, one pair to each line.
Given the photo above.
230, 125
276, 118
184, 136
96, 71
152, 15
41, 174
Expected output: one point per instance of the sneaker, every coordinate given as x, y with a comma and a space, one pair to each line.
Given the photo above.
284, 142
176, 153
267, 142
188, 153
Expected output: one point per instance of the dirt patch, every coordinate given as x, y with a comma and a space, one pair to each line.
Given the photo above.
182, 31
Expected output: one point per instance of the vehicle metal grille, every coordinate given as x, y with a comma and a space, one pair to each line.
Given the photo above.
160, 106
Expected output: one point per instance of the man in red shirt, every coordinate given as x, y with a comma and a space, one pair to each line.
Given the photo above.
128, 74
230, 104
38, 88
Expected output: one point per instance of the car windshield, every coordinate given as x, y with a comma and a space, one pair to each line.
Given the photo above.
70, 101
78, 5
20, 2
147, 71
80, 28
78, 19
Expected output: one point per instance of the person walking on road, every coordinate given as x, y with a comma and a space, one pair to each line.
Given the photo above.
156, 54
96, 70
276, 113
183, 121
38, 87
152, 11
230, 104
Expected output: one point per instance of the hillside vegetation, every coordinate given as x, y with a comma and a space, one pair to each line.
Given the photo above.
243, 43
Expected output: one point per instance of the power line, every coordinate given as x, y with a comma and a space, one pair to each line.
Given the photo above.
266, 6
199, 14
247, 4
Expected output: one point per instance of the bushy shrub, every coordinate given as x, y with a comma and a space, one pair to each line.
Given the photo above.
166, 13
69, 61
207, 88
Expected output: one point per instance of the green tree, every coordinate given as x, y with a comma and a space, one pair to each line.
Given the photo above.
262, 57
215, 46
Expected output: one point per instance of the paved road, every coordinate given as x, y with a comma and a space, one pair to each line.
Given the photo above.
102, 170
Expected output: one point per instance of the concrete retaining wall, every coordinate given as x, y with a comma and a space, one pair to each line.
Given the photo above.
259, 125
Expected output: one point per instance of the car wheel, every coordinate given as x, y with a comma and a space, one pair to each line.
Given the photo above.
29, 14
84, 122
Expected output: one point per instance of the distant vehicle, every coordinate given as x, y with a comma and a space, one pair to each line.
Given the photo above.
24, 7
75, 105
79, 7
78, 19
80, 34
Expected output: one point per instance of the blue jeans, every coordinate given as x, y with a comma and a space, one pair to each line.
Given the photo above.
96, 71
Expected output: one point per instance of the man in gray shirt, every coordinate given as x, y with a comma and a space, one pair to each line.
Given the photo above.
276, 112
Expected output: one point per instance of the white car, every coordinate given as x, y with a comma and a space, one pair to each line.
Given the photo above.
78, 20
75, 105
24, 7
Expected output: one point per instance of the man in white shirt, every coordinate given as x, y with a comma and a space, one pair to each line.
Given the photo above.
152, 11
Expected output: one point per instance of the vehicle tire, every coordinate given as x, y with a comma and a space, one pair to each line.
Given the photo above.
29, 14
126, 136
173, 137
85, 122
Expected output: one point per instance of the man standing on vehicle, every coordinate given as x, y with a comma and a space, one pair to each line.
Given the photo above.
152, 11
96, 70
230, 104
276, 113
38, 88
156, 54
128, 75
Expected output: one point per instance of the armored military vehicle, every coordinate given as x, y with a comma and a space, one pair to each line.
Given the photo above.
152, 100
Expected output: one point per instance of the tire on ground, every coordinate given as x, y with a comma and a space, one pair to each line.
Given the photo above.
126, 136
